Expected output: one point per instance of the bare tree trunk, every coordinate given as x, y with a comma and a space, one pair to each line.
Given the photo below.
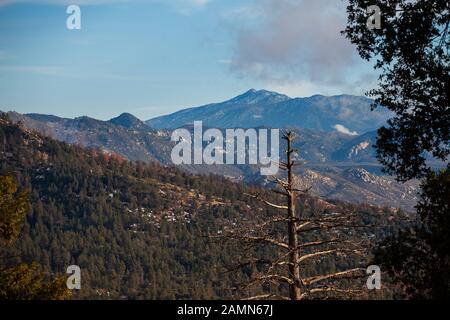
327, 237
294, 268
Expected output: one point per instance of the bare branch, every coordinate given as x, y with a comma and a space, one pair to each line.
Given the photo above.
304, 224
325, 226
275, 277
261, 239
318, 243
316, 254
341, 274
268, 278
267, 202
282, 183
330, 251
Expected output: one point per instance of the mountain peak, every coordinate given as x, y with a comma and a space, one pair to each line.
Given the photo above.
127, 120
259, 96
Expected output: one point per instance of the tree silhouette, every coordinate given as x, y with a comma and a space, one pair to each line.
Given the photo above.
420, 257
411, 51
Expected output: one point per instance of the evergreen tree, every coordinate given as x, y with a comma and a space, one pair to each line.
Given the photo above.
411, 50
13, 208
22, 281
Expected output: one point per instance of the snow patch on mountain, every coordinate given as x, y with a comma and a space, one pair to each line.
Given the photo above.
358, 148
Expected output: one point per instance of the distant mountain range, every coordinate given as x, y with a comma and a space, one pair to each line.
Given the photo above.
265, 108
337, 165
125, 134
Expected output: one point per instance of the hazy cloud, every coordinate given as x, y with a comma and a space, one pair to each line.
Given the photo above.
294, 41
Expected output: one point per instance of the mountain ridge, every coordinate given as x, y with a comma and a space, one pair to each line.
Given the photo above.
256, 108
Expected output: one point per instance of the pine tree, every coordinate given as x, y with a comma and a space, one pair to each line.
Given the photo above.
22, 281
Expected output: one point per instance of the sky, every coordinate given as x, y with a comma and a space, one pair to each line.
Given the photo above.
154, 57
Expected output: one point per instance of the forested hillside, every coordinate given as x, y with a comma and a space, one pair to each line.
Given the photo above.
337, 166
138, 230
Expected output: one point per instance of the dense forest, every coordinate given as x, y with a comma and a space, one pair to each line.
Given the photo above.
141, 231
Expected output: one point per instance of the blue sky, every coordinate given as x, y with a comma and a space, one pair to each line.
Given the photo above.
157, 56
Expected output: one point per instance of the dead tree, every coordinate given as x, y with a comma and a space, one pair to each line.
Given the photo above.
297, 240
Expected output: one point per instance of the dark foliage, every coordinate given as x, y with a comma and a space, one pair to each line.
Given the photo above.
412, 54
22, 281
420, 257
411, 51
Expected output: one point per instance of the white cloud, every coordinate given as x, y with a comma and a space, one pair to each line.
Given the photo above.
287, 42
340, 128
